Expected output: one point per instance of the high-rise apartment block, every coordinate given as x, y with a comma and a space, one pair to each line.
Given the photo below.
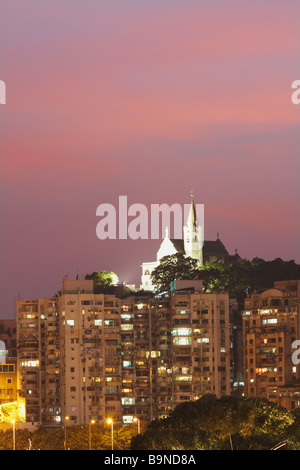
8, 361
38, 357
84, 355
90, 354
271, 324
173, 350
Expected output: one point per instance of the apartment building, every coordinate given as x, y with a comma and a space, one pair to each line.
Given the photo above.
200, 346
174, 350
90, 355
50, 372
38, 358
8, 361
138, 358
84, 356
29, 357
270, 326
69, 359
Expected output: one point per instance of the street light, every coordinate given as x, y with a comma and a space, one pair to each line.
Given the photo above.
14, 433
65, 442
92, 421
110, 421
136, 420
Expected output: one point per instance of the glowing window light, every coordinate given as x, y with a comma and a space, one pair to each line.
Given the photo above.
181, 332
30, 363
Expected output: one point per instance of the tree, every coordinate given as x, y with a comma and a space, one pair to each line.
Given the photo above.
224, 423
173, 267
104, 281
242, 276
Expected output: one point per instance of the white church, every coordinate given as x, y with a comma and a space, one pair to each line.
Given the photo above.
191, 245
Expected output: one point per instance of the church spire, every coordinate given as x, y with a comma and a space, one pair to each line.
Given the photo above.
192, 219
192, 232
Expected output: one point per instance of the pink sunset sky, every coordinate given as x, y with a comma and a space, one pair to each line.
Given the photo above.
147, 99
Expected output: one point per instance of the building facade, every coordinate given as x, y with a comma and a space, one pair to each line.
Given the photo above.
90, 354
8, 362
270, 326
84, 356
38, 358
173, 350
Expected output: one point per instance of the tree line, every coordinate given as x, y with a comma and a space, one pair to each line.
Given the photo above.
227, 423
78, 437
239, 277
209, 423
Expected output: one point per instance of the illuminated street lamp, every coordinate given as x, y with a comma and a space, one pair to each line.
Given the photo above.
136, 420
110, 421
65, 442
92, 421
14, 433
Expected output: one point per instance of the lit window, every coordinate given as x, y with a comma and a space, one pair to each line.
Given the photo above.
203, 340
128, 401
269, 320
126, 316
182, 332
127, 363
182, 341
155, 353
29, 363
184, 378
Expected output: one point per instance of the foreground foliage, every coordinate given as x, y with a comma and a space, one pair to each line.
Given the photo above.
226, 423
77, 438
206, 424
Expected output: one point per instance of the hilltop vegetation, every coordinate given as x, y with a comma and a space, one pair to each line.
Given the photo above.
239, 277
